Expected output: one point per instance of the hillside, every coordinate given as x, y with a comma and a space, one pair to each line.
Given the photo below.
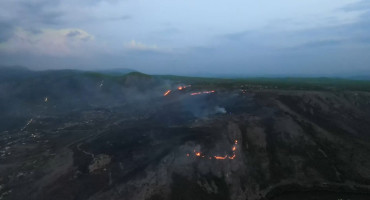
87, 135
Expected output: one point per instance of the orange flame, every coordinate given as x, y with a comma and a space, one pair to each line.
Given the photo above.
220, 157
181, 87
167, 92
207, 92
199, 154
195, 93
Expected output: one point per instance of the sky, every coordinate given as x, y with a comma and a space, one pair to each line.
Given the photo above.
189, 37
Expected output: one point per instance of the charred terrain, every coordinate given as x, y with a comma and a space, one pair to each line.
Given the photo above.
87, 135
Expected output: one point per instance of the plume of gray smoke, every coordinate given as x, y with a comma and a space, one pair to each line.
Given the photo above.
220, 110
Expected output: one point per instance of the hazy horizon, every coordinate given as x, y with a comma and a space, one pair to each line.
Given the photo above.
207, 38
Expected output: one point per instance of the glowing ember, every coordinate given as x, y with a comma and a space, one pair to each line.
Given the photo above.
199, 154
181, 87
208, 92
220, 157
232, 157
195, 93
167, 92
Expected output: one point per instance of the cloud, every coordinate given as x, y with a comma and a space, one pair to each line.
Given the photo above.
41, 12
320, 43
120, 18
358, 6
31, 13
6, 30
263, 36
49, 42
238, 35
137, 46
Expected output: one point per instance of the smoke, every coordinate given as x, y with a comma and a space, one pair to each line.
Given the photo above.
23, 94
220, 110
135, 96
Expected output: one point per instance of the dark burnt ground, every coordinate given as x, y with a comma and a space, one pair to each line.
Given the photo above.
184, 189
315, 139
292, 192
135, 145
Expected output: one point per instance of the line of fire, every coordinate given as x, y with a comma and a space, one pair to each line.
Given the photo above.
182, 87
217, 157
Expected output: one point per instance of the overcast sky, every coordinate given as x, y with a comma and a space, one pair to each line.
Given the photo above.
234, 37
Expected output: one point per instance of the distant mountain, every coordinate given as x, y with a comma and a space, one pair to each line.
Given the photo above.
11, 72
364, 77
13, 68
115, 71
